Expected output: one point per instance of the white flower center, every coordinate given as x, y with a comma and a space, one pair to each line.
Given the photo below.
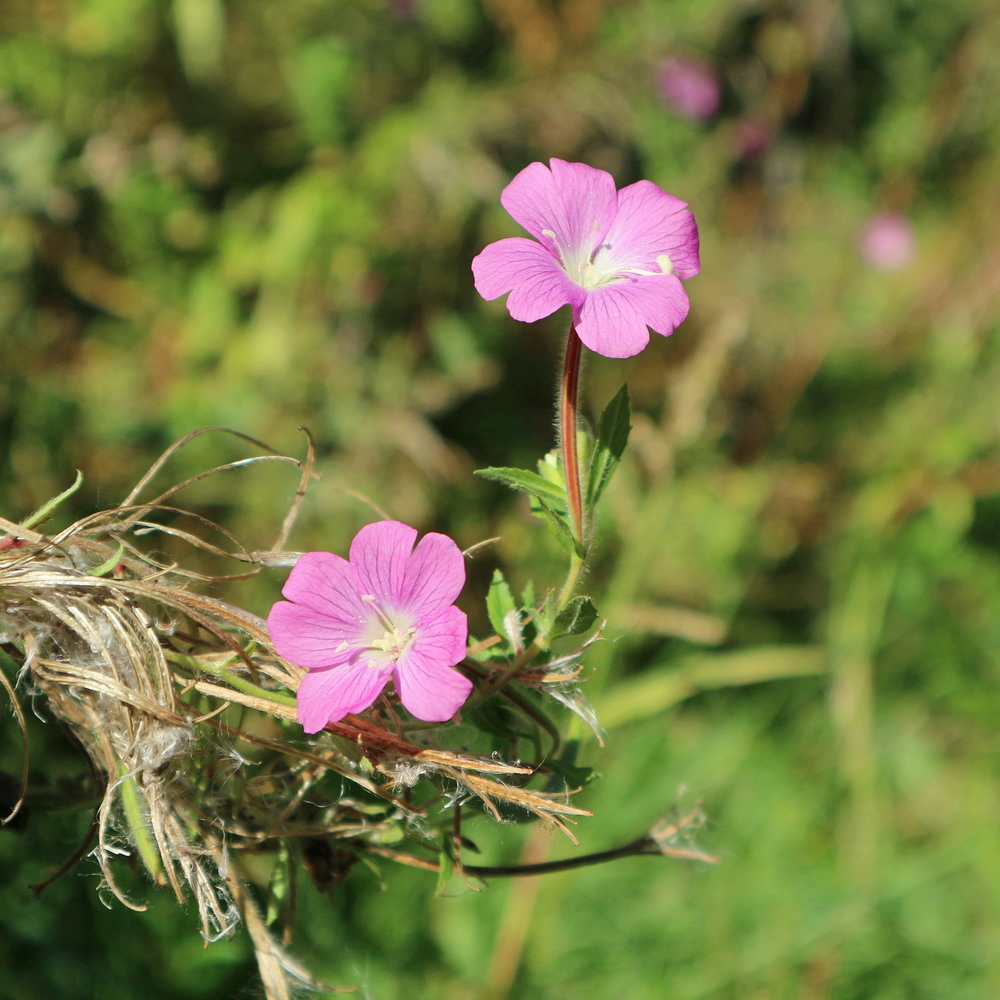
600, 270
601, 267
389, 633
394, 643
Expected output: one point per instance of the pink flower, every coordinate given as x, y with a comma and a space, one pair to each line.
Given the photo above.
753, 138
388, 612
689, 86
615, 257
887, 241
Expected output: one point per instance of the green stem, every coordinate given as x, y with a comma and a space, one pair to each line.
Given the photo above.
569, 389
233, 680
512, 670
568, 393
572, 579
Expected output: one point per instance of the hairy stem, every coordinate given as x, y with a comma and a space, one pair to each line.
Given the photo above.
568, 392
572, 579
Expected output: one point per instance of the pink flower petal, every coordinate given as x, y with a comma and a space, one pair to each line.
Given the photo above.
328, 695
441, 635
541, 294
379, 554
434, 577
425, 681
431, 692
428, 686
567, 208
323, 582
310, 638
538, 285
614, 318
650, 222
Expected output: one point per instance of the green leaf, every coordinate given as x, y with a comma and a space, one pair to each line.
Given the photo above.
550, 469
43, 512
546, 492
548, 499
612, 436
576, 618
558, 523
500, 604
110, 563
136, 810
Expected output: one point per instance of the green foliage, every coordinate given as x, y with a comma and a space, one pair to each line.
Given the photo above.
547, 497
612, 437
500, 605
577, 618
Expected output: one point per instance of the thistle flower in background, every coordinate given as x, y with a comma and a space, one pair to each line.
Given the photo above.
689, 87
887, 241
386, 613
615, 257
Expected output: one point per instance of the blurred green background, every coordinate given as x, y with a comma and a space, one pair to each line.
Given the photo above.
261, 215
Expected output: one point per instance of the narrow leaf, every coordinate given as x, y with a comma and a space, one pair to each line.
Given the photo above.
110, 563
558, 524
528, 482
43, 512
612, 436
548, 500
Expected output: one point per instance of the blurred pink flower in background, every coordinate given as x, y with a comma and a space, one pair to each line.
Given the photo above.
753, 138
690, 87
386, 613
615, 257
405, 10
887, 241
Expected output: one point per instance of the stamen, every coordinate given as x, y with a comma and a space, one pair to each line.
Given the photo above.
383, 618
394, 643
665, 264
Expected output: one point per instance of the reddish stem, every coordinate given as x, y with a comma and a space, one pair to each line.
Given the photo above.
567, 432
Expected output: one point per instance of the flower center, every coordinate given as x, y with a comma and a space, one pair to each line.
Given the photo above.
394, 643
601, 268
390, 634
